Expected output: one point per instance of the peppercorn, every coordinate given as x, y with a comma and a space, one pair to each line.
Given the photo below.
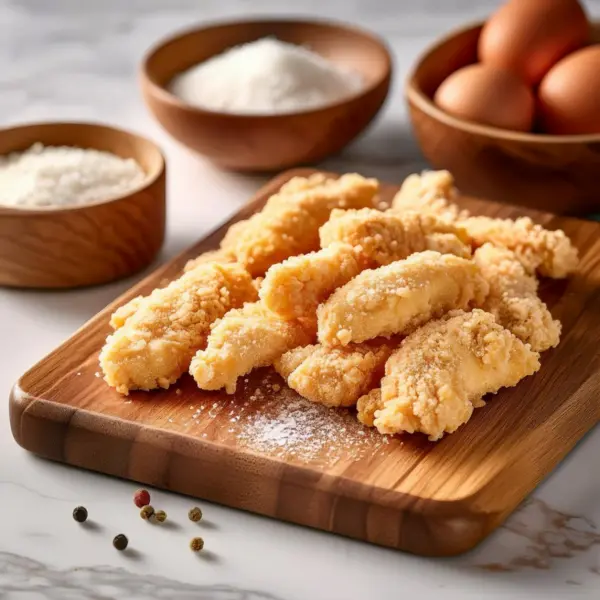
195, 514
80, 514
197, 544
120, 542
141, 498
160, 516
147, 512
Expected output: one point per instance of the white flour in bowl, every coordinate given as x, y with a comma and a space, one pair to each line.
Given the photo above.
265, 77
65, 176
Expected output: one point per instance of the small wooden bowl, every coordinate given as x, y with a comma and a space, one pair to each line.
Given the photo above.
549, 172
89, 244
269, 142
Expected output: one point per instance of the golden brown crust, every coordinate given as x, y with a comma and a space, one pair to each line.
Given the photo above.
441, 372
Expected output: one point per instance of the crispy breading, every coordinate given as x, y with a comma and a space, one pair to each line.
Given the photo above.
155, 345
120, 316
221, 256
289, 223
335, 376
367, 406
295, 287
242, 340
550, 253
441, 372
382, 237
398, 297
513, 298
430, 192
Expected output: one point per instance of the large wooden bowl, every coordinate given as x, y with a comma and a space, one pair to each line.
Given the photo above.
553, 173
269, 142
88, 244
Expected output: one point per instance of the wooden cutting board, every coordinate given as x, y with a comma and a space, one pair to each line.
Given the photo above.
267, 451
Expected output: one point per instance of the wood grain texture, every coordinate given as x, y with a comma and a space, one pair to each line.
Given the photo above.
90, 244
551, 173
428, 498
267, 143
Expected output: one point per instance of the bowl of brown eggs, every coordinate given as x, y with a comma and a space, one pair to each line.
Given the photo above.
512, 106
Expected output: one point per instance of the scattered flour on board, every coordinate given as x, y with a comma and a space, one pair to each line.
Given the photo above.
276, 421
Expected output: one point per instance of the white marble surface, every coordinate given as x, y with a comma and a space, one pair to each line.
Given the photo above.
76, 59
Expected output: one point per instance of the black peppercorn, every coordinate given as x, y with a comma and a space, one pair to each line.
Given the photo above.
80, 514
120, 542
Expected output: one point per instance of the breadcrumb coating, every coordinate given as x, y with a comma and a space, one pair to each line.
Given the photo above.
242, 340
550, 253
513, 298
335, 376
430, 192
295, 287
367, 406
155, 345
289, 223
441, 372
120, 316
396, 298
382, 237
221, 256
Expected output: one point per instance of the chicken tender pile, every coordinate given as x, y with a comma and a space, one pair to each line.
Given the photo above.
412, 315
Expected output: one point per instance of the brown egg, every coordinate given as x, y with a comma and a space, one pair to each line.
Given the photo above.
529, 36
489, 96
569, 95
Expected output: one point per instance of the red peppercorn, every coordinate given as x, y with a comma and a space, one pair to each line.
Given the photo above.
141, 498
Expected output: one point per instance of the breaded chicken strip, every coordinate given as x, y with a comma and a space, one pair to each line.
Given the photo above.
441, 372
295, 287
335, 376
242, 340
550, 253
353, 241
289, 223
383, 237
399, 297
430, 192
156, 343
513, 298
220, 256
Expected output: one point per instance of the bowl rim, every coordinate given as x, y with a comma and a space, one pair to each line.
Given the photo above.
168, 97
149, 180
414, 94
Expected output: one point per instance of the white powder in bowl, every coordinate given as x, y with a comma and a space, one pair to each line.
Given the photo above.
65, 176
265, 77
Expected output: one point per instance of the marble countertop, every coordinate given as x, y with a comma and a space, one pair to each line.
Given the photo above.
76, 59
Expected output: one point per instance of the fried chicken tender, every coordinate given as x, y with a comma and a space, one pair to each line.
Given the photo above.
382, 237
220, 256
156, 343
335, 376
513, 298
550, 253
245, 339
430, 192
352, 241
289, 223
441, 372
398, 297
295, 287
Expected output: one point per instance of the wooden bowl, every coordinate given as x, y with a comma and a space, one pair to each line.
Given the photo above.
59, 247
269, 142
550, 172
